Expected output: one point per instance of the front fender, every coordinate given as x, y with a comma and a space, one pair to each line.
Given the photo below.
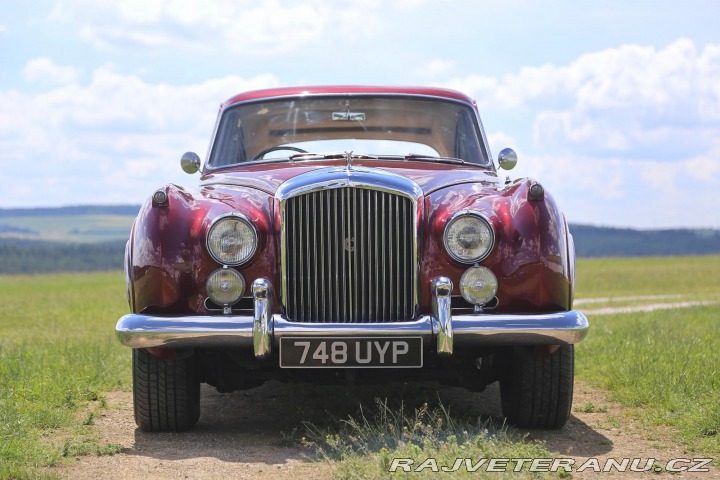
164, 252
167, 259
531, 257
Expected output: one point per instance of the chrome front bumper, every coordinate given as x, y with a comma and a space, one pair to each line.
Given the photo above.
263, 331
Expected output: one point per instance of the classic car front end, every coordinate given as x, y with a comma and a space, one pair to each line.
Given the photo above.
351, 234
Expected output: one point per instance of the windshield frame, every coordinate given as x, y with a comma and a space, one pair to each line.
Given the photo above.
485, 153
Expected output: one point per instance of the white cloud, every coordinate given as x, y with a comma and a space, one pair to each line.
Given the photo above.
246, 27
500, 140
627, 135
435, 68
111, 140
410, 4
633, 101
641, 194
45, 69
705, 169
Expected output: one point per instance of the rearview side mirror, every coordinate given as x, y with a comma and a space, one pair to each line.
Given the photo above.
190, 162
507, 159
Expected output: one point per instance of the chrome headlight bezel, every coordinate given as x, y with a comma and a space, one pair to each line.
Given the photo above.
477, 258
232, 216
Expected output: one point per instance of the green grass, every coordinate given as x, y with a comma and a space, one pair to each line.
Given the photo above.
591, 408
364, 445
692, 277
57, 355
663, 365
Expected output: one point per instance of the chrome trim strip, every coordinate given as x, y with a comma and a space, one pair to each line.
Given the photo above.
283, 328
262, 327
441, 290
540, 329
356, 176
145, 331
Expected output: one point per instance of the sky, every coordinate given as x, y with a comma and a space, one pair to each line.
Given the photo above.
614, 106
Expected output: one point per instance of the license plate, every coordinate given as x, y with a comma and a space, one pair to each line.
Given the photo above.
351, 352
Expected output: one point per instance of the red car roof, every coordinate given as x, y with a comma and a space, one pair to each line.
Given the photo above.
350, 89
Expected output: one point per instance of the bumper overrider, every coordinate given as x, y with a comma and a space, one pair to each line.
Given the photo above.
263, 330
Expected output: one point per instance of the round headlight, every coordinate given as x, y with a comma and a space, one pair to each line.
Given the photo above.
478, 285
468, 237
225, 286
232, 239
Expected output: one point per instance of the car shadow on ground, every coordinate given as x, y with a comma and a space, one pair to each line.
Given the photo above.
265, 424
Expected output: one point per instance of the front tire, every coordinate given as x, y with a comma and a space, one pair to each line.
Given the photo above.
537, 390
166, 393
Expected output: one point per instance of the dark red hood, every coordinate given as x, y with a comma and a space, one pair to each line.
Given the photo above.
267, 177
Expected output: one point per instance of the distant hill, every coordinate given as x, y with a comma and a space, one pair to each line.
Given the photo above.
77, 224
32, 256
92, 237
624, 242
72, 210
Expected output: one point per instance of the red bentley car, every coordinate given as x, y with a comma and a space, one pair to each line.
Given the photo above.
351, 234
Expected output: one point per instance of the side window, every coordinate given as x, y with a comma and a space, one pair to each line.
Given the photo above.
229, 147
466, 139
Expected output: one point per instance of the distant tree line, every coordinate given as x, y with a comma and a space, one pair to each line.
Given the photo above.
13, 229
31, 256
624, 242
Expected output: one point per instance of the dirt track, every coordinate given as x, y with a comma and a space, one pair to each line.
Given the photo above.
238, 436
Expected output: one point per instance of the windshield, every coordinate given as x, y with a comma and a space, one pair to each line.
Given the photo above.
383, 126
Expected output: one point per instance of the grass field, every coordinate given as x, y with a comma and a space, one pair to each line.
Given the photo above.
665, 364
58, 354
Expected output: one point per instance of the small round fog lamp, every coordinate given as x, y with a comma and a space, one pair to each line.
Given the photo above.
225, 286
478, 285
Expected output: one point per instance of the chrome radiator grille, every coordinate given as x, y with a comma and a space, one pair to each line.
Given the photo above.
349, 256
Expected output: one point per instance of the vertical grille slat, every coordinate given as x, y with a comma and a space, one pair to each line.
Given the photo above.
381, 245
295, 259
362, 255
332, 280
349, 256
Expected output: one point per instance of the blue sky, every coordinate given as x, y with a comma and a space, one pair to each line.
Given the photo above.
614, 107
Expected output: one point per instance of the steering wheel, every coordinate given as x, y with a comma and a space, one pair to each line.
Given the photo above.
275, 149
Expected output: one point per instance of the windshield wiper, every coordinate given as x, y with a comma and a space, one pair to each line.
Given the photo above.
433, 158
343, 155
417, 156
315, 156
328, 156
